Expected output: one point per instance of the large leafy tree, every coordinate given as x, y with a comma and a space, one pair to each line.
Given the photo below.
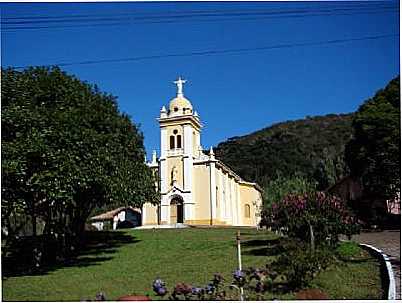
66, 150
374, 152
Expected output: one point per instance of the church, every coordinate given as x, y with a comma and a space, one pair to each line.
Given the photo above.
195, 187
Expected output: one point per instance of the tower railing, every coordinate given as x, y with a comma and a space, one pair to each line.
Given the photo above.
175, 152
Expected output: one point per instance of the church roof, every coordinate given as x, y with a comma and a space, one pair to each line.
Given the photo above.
179, 103
109, 215
225, 168
237, 177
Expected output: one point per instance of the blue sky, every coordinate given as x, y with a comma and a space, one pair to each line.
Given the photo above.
235, 93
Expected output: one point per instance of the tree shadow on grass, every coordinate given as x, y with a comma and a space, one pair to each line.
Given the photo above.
270, 247
261, 242
98, 247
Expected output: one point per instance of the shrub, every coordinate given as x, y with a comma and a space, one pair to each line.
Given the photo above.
300, 265
315, 218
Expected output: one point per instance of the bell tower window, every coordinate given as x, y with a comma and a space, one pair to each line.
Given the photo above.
171, 142
178, 141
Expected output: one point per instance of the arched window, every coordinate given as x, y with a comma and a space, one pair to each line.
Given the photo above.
178, 141
216, 197
171, 142
247, 211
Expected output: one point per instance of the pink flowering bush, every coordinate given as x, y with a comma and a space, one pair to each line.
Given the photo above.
316, 218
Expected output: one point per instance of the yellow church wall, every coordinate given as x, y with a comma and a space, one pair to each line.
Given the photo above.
225, 197
251, 197
201, 196
231, 198
178, 162
235, 189
151, 214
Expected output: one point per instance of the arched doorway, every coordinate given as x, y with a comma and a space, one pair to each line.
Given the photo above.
176, 210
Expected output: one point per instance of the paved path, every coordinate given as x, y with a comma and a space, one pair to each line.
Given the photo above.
390, 243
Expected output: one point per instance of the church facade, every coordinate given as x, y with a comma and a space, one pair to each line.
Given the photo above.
195, 187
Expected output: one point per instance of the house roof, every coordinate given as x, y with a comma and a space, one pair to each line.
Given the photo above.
109, 215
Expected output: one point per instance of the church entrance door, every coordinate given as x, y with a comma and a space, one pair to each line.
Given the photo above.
176, 210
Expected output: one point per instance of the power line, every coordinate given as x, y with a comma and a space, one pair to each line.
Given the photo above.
52, 19
16, 28
206, 17
334, 5
218, 52
162, 17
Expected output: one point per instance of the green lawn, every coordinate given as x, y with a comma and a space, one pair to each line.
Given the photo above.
129, 261
352, 280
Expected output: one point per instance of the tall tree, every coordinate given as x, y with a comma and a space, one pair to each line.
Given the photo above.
374, 152
66, 149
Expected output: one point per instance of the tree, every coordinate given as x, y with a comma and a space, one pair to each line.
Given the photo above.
66, 149
374, 152
314, 218
278, 188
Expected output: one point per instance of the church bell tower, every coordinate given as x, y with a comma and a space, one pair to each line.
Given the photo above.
180, 129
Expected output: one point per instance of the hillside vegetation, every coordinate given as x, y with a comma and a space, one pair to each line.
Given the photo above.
312, 147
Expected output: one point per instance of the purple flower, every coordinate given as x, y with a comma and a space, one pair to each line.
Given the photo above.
158, 283
239, 274
161, 291
159, 287
100, 297
240, 277
196, 290
210, 288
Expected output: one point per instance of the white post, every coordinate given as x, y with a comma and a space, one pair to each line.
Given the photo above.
239, 260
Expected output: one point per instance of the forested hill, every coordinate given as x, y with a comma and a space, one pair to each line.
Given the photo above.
313, 147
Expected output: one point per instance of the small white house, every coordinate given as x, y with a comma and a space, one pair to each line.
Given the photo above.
122, 217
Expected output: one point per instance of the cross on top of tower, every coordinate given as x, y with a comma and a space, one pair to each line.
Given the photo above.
179, 82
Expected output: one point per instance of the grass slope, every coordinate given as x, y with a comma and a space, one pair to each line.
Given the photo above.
127, 263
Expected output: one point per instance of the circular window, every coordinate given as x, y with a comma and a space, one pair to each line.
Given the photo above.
175, 109
175, 132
